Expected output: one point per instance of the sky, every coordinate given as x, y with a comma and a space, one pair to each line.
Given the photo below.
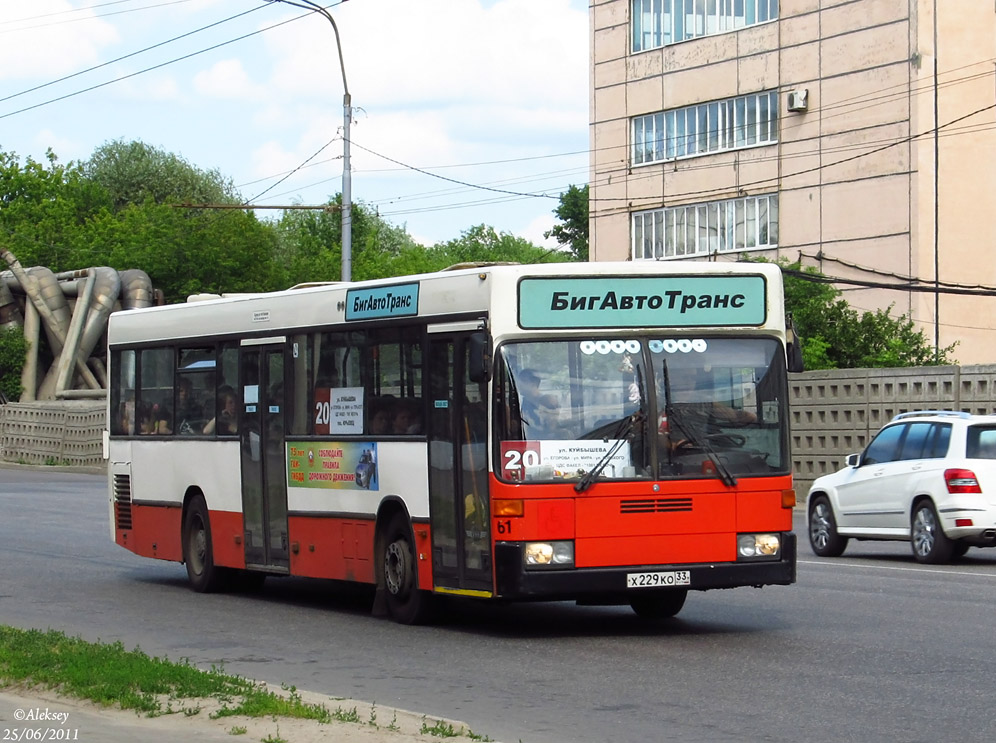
465, 112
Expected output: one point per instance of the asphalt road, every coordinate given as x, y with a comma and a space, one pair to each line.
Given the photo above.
870, 646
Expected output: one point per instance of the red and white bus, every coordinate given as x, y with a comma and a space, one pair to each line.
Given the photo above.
604, 433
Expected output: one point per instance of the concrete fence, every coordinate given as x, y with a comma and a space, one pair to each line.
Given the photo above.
63, 432
833, 413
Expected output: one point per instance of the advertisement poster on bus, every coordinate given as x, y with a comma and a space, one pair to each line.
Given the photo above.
546, 460
335, 465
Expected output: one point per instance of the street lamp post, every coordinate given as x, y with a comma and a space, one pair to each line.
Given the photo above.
347, 115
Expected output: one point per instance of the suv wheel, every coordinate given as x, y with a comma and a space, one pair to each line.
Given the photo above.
930, 544
823, 536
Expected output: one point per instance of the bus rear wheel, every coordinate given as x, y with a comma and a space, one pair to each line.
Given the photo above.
660, 606
405, 602
203, 574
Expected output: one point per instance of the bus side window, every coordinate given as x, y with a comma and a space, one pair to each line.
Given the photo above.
392, 369
156, 371
123, 392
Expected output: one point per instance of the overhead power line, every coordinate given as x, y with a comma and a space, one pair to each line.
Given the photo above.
80, 10
154, 67
454, 180
127, 56
818, 279
821, 256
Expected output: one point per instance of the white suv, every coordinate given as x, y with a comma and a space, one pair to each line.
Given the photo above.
928, 477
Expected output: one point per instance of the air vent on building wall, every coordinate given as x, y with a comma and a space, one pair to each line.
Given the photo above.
798, 100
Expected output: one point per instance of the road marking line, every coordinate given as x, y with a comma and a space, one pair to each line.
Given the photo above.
890, 567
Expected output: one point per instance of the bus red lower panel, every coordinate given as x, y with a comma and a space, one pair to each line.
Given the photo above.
671, 549
155, 532
334, 548
227, 528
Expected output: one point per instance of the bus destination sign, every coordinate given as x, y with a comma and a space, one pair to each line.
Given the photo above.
642, 301
400, 300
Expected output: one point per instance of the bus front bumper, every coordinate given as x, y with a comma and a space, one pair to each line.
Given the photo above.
609, 584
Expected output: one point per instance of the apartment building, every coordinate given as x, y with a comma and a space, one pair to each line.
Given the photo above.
857, 135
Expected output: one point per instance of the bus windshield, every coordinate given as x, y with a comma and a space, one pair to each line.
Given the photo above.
640, 408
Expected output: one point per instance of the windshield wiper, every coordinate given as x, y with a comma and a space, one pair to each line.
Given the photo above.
673, 418
626, 426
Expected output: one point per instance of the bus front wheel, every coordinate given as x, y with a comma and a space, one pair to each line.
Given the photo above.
661, 606
405, 602
203, 574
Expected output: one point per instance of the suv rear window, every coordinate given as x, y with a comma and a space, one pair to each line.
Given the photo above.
980, 442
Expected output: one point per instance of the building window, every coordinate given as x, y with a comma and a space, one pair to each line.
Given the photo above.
734, 123
657, 23
750, 223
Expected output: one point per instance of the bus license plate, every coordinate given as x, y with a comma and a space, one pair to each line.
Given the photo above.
658, 580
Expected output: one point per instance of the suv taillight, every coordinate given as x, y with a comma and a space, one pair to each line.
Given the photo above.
961, 481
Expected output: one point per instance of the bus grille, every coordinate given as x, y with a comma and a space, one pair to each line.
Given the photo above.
122, 501
655, 505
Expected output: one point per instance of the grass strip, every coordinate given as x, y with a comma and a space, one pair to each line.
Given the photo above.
109, 674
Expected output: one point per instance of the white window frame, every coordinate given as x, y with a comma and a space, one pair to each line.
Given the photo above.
692, 230
706, 128
657, 23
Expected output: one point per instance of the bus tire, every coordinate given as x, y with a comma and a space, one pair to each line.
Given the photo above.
406, 604
660, 606
203, 574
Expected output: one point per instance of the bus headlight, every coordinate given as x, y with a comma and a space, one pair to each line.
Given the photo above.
548, 554
758, 546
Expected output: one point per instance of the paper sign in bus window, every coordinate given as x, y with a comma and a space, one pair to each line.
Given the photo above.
545, 460
339, 411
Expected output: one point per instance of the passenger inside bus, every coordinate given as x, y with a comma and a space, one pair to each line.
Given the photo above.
189, 413
407, 420
380, 419
154, 419
540, 411
226, 422
126, 420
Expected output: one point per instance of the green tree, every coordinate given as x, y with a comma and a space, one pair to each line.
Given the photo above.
310, 245
483, 243
43, 207
573, 214
13, 351
835, 336
118, 209
135, 172
184, 251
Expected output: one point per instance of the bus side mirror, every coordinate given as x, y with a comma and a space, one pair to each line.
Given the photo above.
793, 348
479, 358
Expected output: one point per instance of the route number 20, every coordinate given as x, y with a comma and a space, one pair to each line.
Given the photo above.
516, 460
516, 456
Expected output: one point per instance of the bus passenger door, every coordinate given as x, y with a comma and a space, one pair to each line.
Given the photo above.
264, 472
458, 470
